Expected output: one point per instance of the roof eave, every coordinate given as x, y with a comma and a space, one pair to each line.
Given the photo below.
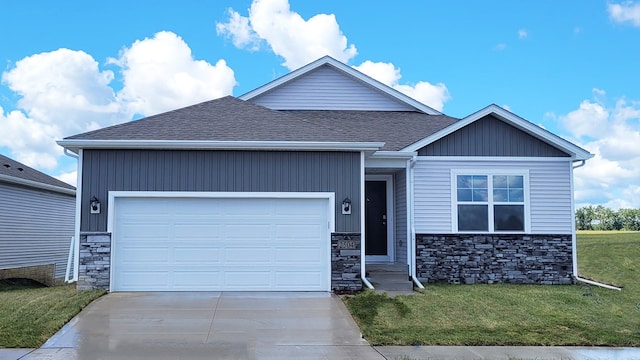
75, 145
36, 184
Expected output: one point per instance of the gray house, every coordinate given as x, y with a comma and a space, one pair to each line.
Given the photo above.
37, 215
303, 183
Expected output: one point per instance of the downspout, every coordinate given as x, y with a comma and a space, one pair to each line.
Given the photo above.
363, 270
76, 239
411, 250
574, 248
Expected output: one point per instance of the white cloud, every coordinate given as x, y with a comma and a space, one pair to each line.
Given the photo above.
626, 12
500, 47
68, 177
523, 33
239, 31
64, 92
432, 95
290, 36
612, 134
160, 74
61, 93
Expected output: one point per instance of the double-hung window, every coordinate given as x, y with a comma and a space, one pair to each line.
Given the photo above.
490, 202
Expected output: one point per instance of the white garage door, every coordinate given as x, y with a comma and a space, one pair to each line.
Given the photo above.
216, 244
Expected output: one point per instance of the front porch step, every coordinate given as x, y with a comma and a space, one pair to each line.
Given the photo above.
389, 277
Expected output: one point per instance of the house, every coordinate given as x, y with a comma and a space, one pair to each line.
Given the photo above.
302, 183
37, 216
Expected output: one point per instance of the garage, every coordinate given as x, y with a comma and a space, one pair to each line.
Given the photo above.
220, 241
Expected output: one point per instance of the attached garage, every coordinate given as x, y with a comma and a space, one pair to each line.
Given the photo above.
168, 241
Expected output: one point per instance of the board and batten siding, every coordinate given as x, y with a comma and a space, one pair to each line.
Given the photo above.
219, 171
328, 89
400, 206
490, 136
36, 227
549, 189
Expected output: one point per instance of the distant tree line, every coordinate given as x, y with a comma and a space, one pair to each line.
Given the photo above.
602, 218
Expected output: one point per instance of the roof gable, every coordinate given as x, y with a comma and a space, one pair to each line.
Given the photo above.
490, 136
328, 84
542, 142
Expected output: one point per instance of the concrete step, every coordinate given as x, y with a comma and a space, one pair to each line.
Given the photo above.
389, 277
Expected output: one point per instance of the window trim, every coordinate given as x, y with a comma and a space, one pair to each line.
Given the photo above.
490, 203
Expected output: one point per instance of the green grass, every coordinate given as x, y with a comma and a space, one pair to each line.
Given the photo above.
518, 314
29, 316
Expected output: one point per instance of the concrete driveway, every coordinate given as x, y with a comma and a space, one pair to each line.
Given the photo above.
210, 325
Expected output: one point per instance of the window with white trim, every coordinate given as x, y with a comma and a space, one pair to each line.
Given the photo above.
496, 202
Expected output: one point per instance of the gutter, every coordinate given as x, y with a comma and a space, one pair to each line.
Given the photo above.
574, 248
411, 250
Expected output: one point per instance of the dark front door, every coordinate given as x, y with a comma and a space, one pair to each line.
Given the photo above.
375, 217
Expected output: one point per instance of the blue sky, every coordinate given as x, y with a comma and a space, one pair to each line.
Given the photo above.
571, 67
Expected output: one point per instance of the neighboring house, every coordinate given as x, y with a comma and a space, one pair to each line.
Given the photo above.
37, 215
303, 182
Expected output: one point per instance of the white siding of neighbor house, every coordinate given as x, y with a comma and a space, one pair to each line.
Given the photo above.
328, 89
549, 185
36, 227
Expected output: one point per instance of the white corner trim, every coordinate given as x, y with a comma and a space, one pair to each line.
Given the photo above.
577, 152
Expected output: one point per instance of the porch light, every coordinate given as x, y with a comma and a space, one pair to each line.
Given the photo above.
95, 205
346, 206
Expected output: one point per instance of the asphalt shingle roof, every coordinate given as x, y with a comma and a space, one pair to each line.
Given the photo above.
232, 119
12, 168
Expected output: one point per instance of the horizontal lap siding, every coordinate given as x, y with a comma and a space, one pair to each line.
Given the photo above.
549, 184
328, 89
218, 171
35, 227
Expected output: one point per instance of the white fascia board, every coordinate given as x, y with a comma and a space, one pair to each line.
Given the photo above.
350, 71
494, 158
37, 185
389, 159
75, 144
575, 151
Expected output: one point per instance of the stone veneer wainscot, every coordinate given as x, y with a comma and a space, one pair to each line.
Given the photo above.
494, 258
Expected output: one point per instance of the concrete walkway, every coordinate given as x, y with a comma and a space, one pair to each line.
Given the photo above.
248, 326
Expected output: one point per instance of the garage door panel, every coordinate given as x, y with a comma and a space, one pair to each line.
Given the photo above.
193, 254
214, 244
300, 256
247, 255
140, 254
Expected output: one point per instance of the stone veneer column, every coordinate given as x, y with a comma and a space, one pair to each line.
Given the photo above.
494, 258
95, 261
345, 262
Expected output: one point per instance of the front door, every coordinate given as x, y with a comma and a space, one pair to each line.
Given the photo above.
376, 221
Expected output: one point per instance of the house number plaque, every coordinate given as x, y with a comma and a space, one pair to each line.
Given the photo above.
347, 245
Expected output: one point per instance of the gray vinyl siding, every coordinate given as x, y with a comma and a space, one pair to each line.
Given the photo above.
328, 89
549, 189
490, 136
400, 197
36, 227
211, 171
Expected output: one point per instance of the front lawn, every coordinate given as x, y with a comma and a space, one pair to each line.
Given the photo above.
518, 314
29, 316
